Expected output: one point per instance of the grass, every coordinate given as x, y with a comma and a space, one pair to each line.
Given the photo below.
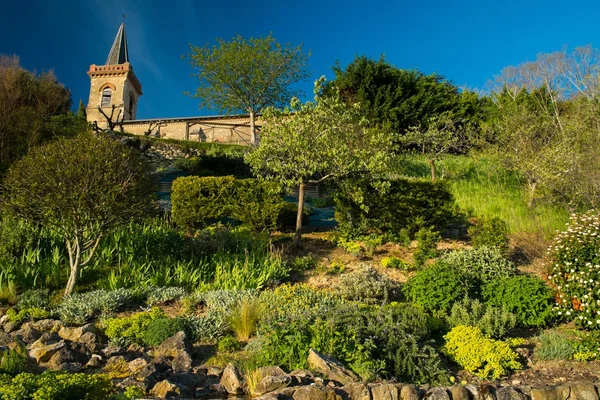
482, 187
244, 318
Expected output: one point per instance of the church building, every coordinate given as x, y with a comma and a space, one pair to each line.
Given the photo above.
115, 92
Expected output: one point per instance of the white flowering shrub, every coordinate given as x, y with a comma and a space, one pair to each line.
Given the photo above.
575, 272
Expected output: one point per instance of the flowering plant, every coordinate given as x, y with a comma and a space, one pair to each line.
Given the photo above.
575, 269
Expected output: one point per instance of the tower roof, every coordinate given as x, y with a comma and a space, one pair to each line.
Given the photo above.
119, 53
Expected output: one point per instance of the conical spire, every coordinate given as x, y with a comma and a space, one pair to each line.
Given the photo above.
119, 53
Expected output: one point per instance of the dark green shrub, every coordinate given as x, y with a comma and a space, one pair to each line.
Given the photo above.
427, 240
528, 297
406, 204
490, 232
483, 263
57, 386
199, 201
494, 322
286, 220
160, 329
305, 263
554, 346
34, 299
438, 287
229, 344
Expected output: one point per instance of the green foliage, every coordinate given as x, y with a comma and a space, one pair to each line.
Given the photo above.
81, 188
209, 327
14, 361
494, 322
371, 242
482, 263
287, 216
438, 287
427, 240
198, 201
490, 232
147, 327
304, 263
229, 344
160, 329
25, 314
395, 262
528, 297
133, 392
399, 99
29, 102
78, 308
366, 285
387, 342
215, 161
479, 355
244, 318
574, 257
51, 385
554, 346
351, 246
263, 73
39, 298
317, 142
382, 206
321, 202
157, 295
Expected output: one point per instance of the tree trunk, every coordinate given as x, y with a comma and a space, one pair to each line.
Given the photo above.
252, 129
432, 168
532, 186
298, 233
74, 250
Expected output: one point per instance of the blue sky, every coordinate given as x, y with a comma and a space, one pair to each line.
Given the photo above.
466, 41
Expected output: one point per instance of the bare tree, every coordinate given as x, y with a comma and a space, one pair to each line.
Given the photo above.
112, 120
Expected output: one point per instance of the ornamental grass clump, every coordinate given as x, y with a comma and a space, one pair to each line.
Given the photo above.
575, 269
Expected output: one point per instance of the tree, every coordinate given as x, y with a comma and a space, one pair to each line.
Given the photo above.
81, 111
441, 135
316, 142
27, 102
247, 75
81, 188
400, 99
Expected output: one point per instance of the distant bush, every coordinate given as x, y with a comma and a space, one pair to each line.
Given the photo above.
229, 344
554, 346
490, 232
494, 322
160, 329
575, 260
368, 286
304, 263
438, 287
395, 262
406, 204
528, 297
198, 201
483, 263
287, 216
427, 240
479, 355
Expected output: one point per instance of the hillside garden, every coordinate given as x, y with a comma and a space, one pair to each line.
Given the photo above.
456, 278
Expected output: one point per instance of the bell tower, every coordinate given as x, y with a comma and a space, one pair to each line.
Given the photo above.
114, 88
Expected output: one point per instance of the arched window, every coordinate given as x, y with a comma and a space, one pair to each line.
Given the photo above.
106, 95
131, 105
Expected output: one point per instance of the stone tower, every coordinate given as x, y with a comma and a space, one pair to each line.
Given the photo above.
113, 84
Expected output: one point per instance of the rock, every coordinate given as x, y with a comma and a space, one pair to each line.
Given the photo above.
166, 390
173, 346
459, 393
217, 371
71, 367
11, 326
550, 393
94, 361
117, 367
509, 393
437, 393
314, 392
271, 383
43, 353
182, 362
27, 334
74, 333
583, 391
137, 365
5, 339
90, 341
46, 339
111, 351
131, 381
62, 356
331, 368
360, 392
232, 380
385, 392
302, 377
135, 350
409, 392
47, 325
210, 394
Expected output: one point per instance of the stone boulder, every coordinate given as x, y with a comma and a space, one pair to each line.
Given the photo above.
44, 352
173, 346
232, 380
168, 390
74, 334
385, 392
331, 368
274, 378
315, 392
